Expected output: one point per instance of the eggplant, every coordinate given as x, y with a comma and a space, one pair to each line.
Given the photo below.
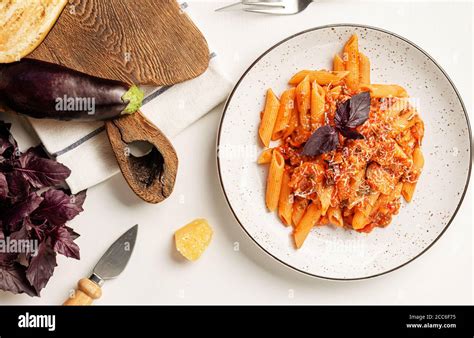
46, 90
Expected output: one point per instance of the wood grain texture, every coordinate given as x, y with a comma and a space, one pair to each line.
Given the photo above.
147, 42
85, 293
152, 176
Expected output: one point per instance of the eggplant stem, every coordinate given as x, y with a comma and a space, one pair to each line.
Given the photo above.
134, 96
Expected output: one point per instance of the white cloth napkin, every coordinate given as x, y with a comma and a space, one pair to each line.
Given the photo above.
84, 147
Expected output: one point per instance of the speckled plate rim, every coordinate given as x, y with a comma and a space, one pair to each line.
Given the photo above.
229, 99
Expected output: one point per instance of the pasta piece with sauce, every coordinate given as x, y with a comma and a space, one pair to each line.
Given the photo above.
303, 102
274, 179
285, 203
351, 59
268, 118
307, 222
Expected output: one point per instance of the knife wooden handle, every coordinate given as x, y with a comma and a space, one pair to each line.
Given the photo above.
85, 293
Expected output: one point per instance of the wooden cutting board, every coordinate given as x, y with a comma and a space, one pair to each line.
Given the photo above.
147, 42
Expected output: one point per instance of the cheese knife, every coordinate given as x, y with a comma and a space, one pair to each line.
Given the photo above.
111, 264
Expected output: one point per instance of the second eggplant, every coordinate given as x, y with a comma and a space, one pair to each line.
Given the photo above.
41, 89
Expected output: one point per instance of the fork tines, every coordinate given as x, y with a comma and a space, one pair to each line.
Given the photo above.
265, 7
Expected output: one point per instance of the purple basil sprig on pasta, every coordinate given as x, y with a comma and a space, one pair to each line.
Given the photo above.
349, 114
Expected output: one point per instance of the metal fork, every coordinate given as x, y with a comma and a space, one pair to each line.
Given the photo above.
281, 7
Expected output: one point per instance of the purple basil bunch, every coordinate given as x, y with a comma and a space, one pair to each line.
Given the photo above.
34, 210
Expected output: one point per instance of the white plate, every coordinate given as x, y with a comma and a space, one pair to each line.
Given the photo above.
331, 252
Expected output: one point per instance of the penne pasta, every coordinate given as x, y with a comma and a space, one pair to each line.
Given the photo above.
408, 188
380, 206
384, 90
292, 124
303, 102
322, 77
359, 220
298, 77
299, 207
343, 157
325, 78
338, 64
395, 107
361, 215
334, 215
307, 222
355, 183
371, 199
317, 105
351, 58
287, 105
285, 203
266, 156
274, 179
268, 118
325, 196
364, 69
403, 122
418, 130
323, 220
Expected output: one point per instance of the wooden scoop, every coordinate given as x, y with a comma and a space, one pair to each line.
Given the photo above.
151, 176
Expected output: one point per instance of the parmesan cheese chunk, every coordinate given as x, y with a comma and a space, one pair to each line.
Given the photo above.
193, 239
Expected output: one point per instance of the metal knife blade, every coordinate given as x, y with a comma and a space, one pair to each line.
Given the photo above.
115, 259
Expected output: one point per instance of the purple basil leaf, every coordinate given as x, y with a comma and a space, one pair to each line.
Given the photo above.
359, 110
352, 113
342, 114
37, 151
80, 197
64, 243
351, 133
6, 165
7, 142
13, 279
36, 229
18, 186
7, 259
323, 140
74, 235
3, 187
42, 172
58, 207
21, 234
21, 210
41, 266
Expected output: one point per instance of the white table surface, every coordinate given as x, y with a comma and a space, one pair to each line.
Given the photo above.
157, 275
